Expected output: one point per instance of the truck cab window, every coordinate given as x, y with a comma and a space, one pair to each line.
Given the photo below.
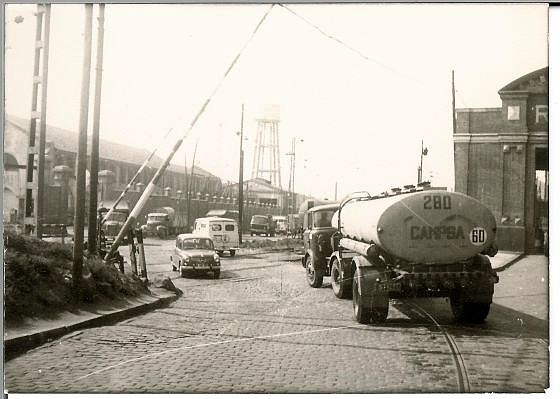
322, 219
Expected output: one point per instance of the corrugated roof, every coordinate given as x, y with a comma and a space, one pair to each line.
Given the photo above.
67, 140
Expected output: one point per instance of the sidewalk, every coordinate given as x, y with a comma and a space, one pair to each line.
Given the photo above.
502, 260
34, 332
523, 287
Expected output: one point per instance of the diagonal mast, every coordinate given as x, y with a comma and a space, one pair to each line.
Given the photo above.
152, 185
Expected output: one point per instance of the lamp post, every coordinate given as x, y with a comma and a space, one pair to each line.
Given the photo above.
291, 188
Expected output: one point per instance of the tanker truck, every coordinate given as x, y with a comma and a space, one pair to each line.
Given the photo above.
418, 243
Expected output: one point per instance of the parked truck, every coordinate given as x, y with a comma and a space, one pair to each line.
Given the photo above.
162, 223
113, 225
427, 243
263, 224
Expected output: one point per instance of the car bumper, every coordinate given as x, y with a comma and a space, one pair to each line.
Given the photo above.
201, 267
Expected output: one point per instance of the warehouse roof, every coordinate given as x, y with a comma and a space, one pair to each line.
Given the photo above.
67, 140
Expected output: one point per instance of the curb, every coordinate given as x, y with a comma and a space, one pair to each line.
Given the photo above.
510, 263
17, 346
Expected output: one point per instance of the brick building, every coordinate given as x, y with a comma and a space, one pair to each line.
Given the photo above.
501, 158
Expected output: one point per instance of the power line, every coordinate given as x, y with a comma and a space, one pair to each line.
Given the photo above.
349, 47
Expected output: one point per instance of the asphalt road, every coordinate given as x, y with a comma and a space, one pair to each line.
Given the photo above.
261, 329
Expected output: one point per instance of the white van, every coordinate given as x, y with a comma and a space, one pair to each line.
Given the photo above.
223, 231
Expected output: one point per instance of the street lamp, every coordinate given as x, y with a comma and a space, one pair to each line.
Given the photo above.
291, 188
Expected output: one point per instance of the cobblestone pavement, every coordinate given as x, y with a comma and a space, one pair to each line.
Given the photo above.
261, 329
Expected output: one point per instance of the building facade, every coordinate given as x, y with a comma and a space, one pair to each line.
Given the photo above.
501, 158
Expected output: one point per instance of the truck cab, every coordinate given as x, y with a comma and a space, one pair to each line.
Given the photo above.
157, 224
113, 225
263, 224
318, 244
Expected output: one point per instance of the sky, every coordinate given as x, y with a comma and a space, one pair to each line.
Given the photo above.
362, 103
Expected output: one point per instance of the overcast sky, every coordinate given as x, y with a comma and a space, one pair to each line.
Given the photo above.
362, 120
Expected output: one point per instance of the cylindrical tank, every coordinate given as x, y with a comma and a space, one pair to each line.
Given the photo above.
432, 226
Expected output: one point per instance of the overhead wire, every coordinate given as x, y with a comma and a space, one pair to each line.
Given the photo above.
353, 49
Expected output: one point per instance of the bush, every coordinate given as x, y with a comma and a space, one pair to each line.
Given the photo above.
38, 279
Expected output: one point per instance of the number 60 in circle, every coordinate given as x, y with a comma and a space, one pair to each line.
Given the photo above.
478, 236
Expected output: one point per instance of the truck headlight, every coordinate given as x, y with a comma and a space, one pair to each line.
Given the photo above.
186, 260
216, 258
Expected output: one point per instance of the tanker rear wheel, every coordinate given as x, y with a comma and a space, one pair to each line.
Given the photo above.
467, 311
314, 276
342, 287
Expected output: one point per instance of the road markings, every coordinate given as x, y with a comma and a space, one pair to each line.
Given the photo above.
229, 341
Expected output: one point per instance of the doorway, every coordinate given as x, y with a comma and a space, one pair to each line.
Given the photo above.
541, 200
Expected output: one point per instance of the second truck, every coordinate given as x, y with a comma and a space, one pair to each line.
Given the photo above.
428, 243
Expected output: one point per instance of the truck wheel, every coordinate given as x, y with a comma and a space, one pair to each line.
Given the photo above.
468, 311
220, 253
232, 252
374, 307
341, 288
216, 274
362, 309
314, 277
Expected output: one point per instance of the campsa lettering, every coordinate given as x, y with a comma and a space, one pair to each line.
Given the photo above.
436, 233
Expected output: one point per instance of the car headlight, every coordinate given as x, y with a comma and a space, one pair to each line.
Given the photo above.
186, 260
216, 258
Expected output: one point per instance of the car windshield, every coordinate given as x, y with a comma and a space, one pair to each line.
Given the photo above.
198, 243
323, 218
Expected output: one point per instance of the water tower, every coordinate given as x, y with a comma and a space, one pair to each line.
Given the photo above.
266, 160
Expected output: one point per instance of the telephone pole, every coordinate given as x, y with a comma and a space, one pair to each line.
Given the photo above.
43, 127
94, 167
453, 100
240, 195
79, 211
34, 189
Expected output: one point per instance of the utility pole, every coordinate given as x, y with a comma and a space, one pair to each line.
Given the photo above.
423, 151
94, 167
335, 190
34, 188
240, 196
79, 211
43, 127
453, 100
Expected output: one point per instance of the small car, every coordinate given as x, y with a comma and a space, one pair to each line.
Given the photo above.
195, 253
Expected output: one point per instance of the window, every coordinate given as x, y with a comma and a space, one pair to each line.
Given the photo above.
198, 243
322, 219
513, 112
230, 227
216, 227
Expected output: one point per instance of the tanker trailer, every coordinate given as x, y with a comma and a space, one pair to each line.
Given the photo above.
429, 243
